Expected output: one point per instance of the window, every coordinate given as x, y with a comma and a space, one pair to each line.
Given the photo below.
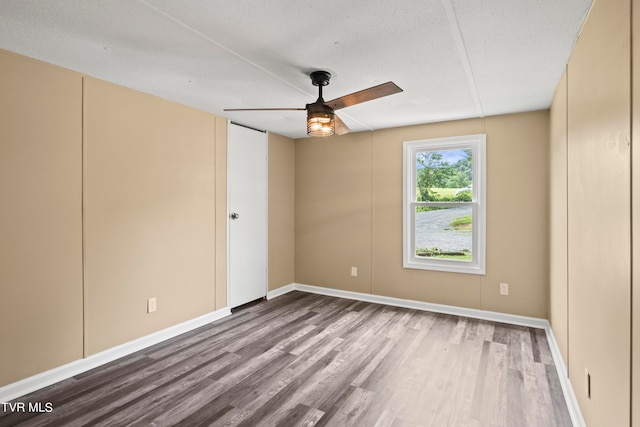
444, 204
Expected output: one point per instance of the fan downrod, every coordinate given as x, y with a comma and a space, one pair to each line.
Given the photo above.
320, 78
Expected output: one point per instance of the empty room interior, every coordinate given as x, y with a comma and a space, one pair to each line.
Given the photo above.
418, 213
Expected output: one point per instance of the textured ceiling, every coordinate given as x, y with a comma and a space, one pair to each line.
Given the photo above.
453, 58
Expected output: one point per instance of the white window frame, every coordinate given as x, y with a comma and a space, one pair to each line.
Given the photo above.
477, 143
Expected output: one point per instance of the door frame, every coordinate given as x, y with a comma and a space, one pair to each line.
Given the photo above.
266, 212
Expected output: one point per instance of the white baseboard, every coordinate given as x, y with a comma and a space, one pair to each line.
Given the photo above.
47, 378
532, 322
565, 383
512, 319
281, 291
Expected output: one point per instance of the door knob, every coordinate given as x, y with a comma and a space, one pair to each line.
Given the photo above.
235, 215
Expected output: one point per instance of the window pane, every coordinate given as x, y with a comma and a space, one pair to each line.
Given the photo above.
444, 176
444, 233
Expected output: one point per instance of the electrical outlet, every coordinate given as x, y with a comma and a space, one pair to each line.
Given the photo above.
151, 305
504, 289
354, 271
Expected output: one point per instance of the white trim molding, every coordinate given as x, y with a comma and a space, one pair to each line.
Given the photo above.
47, 378
565, 383
473, 313
412, 151
281, 291
532, 322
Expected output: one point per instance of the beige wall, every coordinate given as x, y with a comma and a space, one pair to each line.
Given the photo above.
635, 219
95, 222
333, 215
599, 99
598, 221
221, 212
281, 211
149, 205
517, 214
40, 217
558, 288
349, 213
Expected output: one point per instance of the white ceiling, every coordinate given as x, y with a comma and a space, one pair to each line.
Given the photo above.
453, 58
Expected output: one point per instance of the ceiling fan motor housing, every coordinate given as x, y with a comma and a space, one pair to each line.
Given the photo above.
319, 109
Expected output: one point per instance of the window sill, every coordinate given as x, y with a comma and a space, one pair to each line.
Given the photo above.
443, 265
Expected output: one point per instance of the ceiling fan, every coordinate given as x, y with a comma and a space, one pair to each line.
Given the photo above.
321, 117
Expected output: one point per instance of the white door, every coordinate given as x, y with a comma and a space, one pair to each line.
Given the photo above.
247, 204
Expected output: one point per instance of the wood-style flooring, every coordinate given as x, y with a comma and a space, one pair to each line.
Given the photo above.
310, 360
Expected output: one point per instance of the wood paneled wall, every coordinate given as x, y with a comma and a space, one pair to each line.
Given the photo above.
635, 218
593, 325
558, 287
149, 214
40, 217
109, 197
281, 211
349, 213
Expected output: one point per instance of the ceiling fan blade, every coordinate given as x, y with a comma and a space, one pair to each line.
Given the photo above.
264, 109
341, 127
385, 89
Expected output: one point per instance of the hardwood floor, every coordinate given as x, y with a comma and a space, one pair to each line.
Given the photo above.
304, 359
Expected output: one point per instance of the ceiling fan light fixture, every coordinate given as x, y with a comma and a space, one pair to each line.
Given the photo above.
320, 124
320, 120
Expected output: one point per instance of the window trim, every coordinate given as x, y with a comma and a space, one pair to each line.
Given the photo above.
477, 143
